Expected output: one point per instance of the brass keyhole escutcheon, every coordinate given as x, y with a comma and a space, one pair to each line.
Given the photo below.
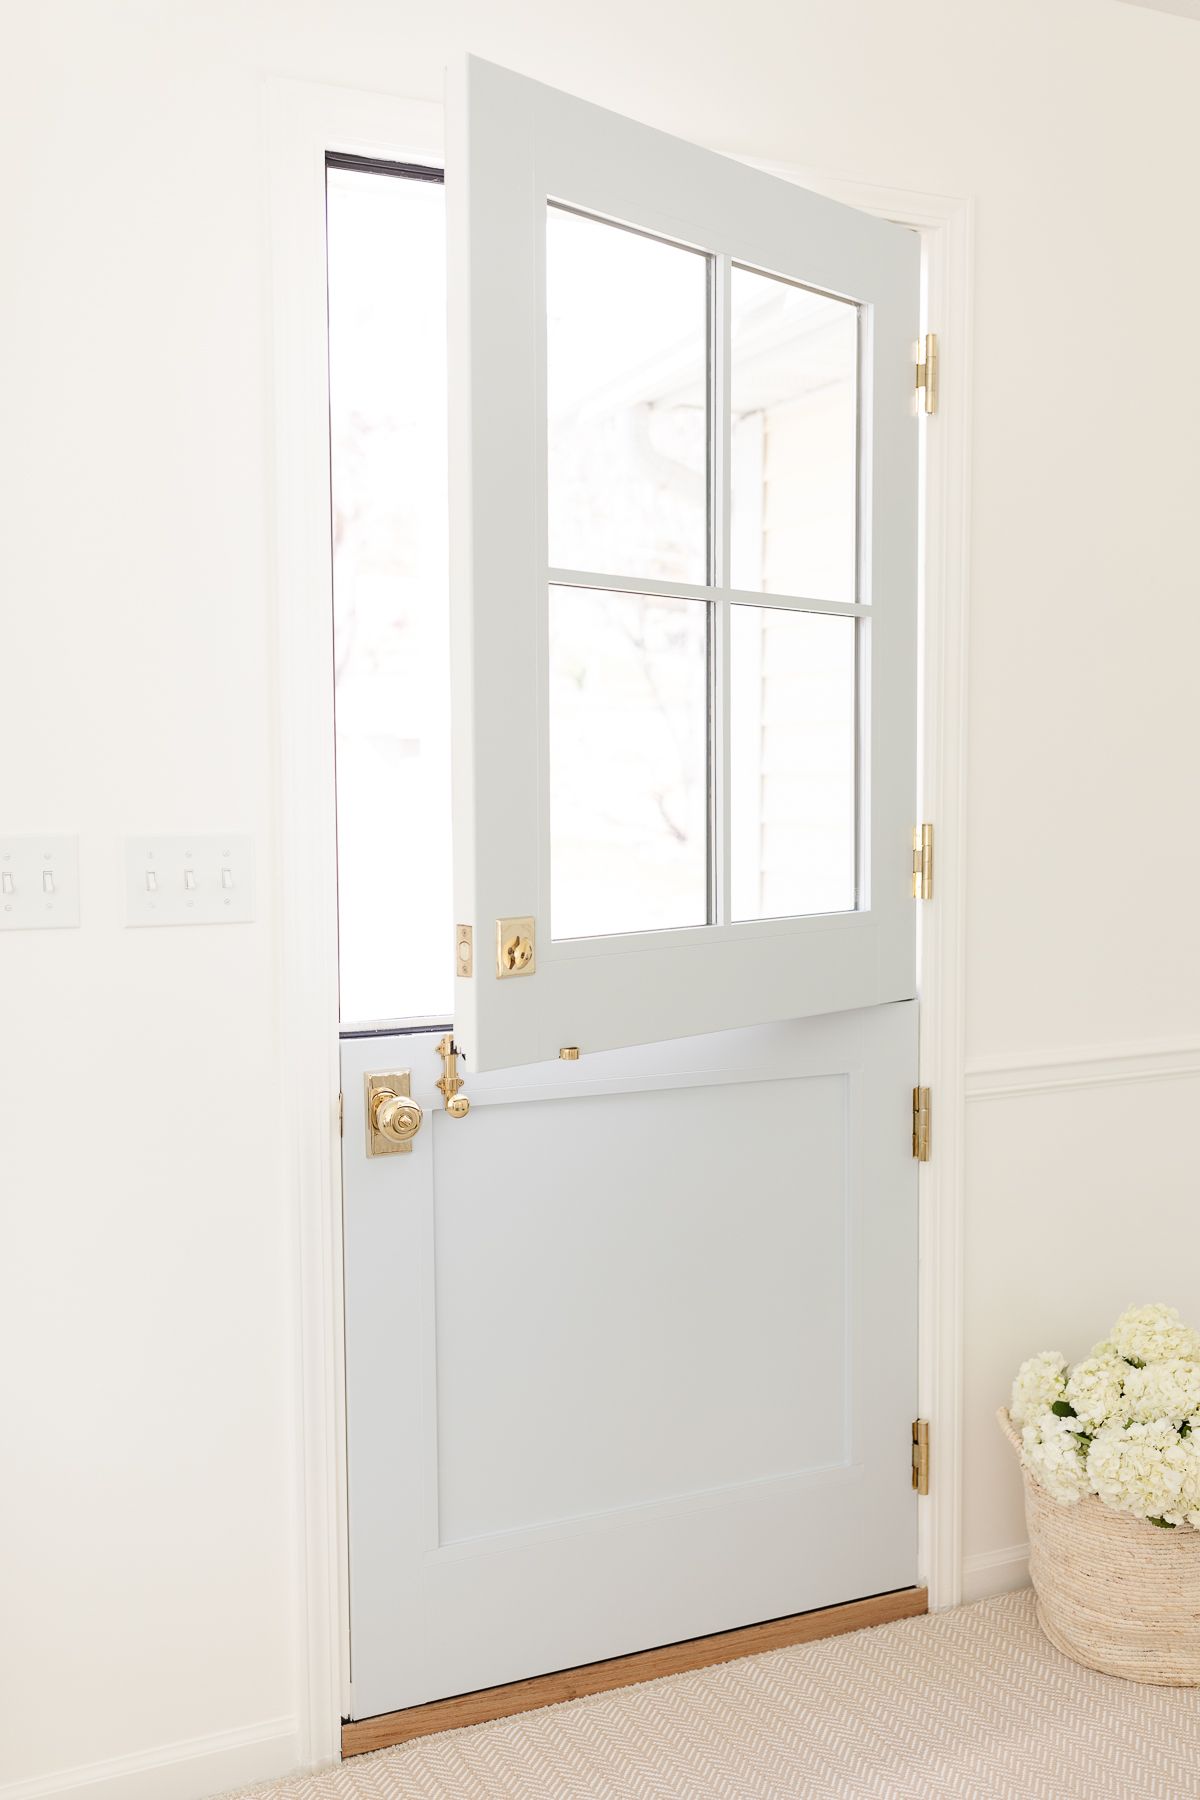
393, 1116
517, 953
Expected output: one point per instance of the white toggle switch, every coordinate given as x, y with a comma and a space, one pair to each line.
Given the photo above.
39, 883
189, 880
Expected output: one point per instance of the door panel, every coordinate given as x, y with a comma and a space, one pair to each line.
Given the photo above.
630, 1349
710, 465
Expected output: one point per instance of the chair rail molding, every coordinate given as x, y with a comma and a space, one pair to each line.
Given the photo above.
1011, 1074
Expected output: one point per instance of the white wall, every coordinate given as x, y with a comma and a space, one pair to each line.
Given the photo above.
147, 1341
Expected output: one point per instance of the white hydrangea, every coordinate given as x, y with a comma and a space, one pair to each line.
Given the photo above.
1053, 1453
1190, 1498
1040, 1382
1146, 1468
1095, 1388
1162, 1390
1147, 1334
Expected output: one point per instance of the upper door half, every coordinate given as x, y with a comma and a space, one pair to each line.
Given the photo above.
683, 456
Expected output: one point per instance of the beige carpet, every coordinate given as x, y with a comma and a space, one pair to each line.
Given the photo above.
973, 1702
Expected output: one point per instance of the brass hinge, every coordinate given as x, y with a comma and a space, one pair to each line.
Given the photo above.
927, 373
922, 1106
920, 1456
922, 869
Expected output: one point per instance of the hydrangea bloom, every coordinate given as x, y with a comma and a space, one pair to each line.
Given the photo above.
1162, 1390
1095, 1388
1123, 1424
1040, 1382
1145, 1468
1147, 1334
1052, 1450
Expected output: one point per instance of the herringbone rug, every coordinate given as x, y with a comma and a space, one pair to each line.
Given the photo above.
973, 1702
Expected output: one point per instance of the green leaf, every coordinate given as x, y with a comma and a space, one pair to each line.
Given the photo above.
1164, 1524
1062, 1409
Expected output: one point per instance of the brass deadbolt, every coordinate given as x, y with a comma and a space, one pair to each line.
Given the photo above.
515, 948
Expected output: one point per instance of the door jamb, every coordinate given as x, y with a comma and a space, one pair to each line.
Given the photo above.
303, 121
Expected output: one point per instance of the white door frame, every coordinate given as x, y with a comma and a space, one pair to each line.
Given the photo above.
304, 121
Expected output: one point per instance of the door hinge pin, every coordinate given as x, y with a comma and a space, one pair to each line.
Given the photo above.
341, 1115
927, 373
920, 1456
922, 864
922, 1107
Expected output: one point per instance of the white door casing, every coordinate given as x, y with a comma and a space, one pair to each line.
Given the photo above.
304, 121
631, 1349
513, 146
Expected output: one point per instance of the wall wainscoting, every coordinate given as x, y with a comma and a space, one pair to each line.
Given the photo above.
1010, 1076
186, 1770
1025, 1075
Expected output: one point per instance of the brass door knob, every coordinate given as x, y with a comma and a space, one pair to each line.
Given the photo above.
395, 1117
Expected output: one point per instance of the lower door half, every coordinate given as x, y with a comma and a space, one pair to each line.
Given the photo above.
631, 1349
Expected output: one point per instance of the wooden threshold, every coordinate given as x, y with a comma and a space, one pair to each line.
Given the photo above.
360, 1735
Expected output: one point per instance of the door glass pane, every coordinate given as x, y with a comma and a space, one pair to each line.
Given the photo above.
387, 423
794, 826
628, 763
794, 449
626, 386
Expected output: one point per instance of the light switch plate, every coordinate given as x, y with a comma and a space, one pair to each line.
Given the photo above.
189, 880
39, 883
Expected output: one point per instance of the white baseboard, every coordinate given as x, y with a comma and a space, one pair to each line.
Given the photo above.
190, 1770
992, 1572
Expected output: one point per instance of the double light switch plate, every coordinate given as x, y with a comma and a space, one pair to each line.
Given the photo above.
189, 880
39, 883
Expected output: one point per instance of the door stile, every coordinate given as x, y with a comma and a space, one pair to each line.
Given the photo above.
720, 493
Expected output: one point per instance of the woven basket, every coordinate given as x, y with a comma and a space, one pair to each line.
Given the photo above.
1114, 1593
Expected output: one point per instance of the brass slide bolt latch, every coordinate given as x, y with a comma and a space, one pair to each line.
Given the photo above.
449, 1083
393, 1116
